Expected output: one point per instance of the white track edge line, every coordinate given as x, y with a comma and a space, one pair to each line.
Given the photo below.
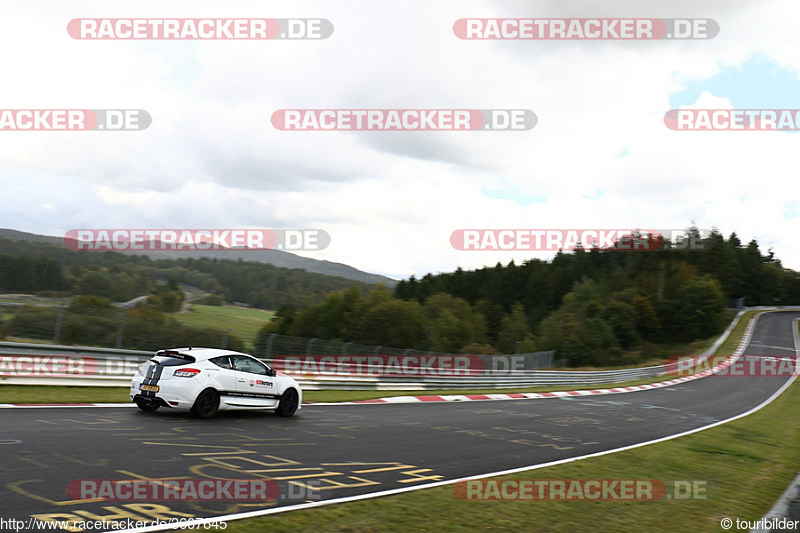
390, 492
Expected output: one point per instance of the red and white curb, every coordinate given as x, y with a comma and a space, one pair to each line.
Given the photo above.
522, 395
477, 397
748, 332
61, 405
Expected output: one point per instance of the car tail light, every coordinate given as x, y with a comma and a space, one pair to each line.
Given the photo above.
186, 372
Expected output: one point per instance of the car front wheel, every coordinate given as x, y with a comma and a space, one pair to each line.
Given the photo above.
206, 404
288, 403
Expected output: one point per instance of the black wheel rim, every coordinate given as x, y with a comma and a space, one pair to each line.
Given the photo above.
290, 397
207, 404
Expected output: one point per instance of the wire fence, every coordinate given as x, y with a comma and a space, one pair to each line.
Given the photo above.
134, 329
113, 328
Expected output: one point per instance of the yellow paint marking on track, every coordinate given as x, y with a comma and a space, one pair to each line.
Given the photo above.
197, 506
232, 452
279, 461
16, 486
281, 444
90, 423
306, 476
338, 485
186, 445
416, 477
101, 462
199, 470
554, 446
137, 476
34, 462
397, 466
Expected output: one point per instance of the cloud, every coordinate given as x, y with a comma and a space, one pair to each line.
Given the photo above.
600, 153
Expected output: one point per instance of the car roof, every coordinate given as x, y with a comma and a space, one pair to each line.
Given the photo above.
200, 354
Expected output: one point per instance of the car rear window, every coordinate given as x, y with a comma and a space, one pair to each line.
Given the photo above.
173, 360
223, 361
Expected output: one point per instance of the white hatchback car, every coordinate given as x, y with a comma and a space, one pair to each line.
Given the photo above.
207, 380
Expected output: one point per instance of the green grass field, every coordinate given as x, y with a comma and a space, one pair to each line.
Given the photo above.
243, 322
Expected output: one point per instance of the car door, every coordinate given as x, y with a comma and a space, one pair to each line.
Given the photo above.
223, 374
254, 384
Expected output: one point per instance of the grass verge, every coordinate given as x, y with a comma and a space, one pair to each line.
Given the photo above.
243, 322
749, 462
43, 394
732, 342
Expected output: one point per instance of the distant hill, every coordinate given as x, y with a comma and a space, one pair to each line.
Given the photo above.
277, 258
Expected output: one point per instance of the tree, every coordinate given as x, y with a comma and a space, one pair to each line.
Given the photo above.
622, 319
701, 306
514, 329
394, 323
452, 323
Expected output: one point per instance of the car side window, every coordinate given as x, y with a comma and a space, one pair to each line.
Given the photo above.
222, 362
245, 364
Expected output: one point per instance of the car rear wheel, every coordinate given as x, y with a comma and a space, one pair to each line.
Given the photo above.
146, 406
206, 404
288, 403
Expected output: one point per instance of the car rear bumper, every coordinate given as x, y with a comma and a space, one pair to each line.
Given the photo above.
166, 396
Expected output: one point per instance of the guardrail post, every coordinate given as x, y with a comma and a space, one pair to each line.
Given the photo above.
308, 345
344, 348
59, 320
121, 328
268, 355
225, 338
377, 350
794, 504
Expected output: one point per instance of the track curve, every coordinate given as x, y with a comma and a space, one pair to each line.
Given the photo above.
331, 452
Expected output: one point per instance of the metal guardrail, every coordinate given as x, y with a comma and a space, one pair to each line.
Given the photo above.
45, 364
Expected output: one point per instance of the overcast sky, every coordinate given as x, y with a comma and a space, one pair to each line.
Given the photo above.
600, 155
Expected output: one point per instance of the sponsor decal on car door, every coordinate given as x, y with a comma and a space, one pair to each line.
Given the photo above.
253, 385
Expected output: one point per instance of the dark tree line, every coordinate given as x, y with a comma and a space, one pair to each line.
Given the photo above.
595, 307
742, 271
31, 267
30, 274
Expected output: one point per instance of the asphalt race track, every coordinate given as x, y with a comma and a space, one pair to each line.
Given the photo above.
329, 452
